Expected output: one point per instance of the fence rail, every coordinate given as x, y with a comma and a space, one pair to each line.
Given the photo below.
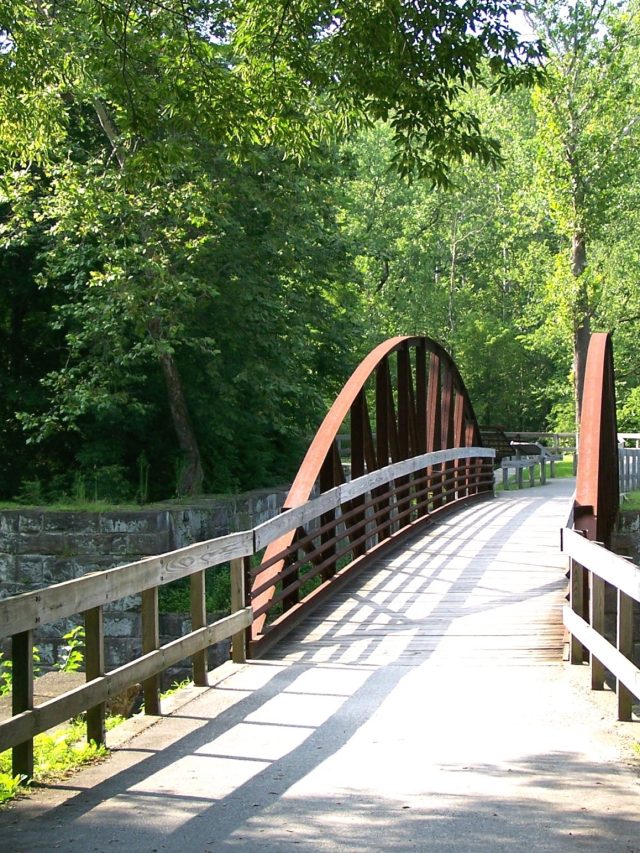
629, 468
591, 565
629, 439
352, 522
349, 521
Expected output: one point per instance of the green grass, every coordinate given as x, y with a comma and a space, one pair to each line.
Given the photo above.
631, 501
55, 754
176, 687
564, 468
71, 506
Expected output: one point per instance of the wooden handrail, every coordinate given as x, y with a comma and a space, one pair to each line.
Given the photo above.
593, 564
30, 610
22, 614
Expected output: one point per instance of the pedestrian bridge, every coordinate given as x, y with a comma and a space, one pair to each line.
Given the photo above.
413, 698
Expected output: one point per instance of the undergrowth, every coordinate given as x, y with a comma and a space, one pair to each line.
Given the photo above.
55, 754
630, 501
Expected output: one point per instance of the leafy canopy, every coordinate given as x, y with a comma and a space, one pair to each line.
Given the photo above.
406, 61
246, 72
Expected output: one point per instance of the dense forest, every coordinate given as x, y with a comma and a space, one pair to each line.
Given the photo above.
211, 210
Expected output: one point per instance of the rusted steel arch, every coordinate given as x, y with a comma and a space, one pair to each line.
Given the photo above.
597, 487
428, 409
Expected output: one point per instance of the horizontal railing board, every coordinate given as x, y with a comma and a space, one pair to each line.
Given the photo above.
291, 519
620, 666
26, 725
31, 609
607, 565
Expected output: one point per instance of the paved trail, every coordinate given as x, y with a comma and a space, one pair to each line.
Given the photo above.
428, 709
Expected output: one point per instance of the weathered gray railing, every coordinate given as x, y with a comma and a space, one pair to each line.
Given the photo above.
556, 442
629, 439
338, 532
407, 490
592, 565
21, 615
629, 468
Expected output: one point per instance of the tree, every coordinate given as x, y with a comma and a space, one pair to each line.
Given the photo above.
465, 265
404, 61
589, 129
115, 120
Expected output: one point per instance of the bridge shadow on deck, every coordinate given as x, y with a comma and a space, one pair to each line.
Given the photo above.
395, 587
251, 776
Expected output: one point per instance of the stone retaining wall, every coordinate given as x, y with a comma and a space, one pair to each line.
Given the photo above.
40, 547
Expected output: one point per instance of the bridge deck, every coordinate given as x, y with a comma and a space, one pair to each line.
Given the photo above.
486, 585
427, 709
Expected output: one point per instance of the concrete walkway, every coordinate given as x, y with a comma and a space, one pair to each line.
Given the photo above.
428, 709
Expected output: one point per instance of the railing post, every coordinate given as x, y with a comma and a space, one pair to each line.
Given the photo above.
625, 647
150, 642
238, 601
22, 698
94, 663
199, 620
576, 598
329, 477
597, 623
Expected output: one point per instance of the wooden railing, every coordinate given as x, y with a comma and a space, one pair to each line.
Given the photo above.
629, 468
22, 614
591, 565
557, 442
366, 514
338, 532
629, 439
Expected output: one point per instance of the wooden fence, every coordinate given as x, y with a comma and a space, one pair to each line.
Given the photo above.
629, 439
591, 565
629, 468
407, 492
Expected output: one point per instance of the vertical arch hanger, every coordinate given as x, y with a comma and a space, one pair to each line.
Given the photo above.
405, 398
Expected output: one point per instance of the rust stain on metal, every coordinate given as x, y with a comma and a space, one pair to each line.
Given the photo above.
421, 405
597, 489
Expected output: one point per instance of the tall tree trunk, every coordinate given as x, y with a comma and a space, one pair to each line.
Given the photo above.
582, 319
452, 280
191, 476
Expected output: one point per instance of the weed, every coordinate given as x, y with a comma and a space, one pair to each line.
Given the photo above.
6, 671
73, 652
6, 675
630, 502
175, 687
55, 753
9, 786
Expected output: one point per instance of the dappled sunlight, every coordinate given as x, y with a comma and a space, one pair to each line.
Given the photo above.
403, 720
453, 582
